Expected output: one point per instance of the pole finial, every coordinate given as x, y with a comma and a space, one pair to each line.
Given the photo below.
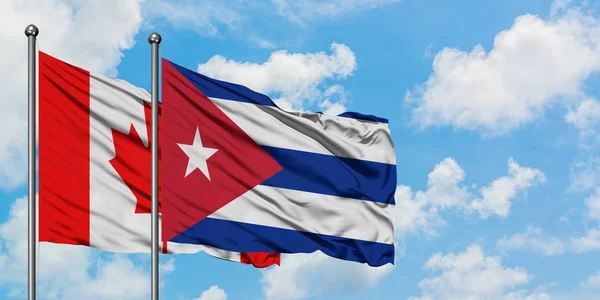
31, 30
154, 38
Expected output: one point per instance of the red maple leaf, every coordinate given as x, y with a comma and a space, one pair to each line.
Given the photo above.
133, 162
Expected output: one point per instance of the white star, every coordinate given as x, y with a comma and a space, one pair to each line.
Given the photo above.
198, 155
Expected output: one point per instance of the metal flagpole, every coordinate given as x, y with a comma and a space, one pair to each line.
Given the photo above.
31, 32
154, 39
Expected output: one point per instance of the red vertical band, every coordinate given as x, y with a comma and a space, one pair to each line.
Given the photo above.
64, 152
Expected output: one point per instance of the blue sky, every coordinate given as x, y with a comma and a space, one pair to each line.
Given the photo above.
493, 109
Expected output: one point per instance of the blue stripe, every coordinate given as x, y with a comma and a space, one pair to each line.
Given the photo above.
214, 88
359, 116
332, 175
244, 237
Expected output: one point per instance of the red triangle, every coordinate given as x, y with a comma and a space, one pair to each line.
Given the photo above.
238, 166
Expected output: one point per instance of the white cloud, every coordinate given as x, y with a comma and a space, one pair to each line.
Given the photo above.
165, 268
213, 293
532, 240
84, 273
589, 242
531, 66
332, 108
443, 184
70, 31
523, 295
201, 16
334, 101
592, 204
427, 53
420, 211
592, 282
261, 42
285, 104
297, 78
415, 214
302, 275
301, 11
117, 278
559, 6
497, 196
472, 275
168, 266
585, 117
215, 18
585, 175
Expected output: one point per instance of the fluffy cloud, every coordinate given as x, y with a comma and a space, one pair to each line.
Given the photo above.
335, 98
84, 273
168, 266
585, 174
589, 242
414, 214
592, 204
496, 197
592, 282
301, 275
586, 116
202, 16
472, 275
261, 42
213, 293
420, 211
531, 66
215, 18
296, 78
523, 295
68, 30
300, 11
532, 240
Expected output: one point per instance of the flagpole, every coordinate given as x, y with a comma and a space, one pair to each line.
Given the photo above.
31, 32
154, 39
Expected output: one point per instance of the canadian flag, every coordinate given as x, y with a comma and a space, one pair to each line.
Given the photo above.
94, 165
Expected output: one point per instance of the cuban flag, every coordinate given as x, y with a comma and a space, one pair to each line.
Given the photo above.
240, 174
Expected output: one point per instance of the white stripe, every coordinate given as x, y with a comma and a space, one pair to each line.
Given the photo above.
311, 132
309, 212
